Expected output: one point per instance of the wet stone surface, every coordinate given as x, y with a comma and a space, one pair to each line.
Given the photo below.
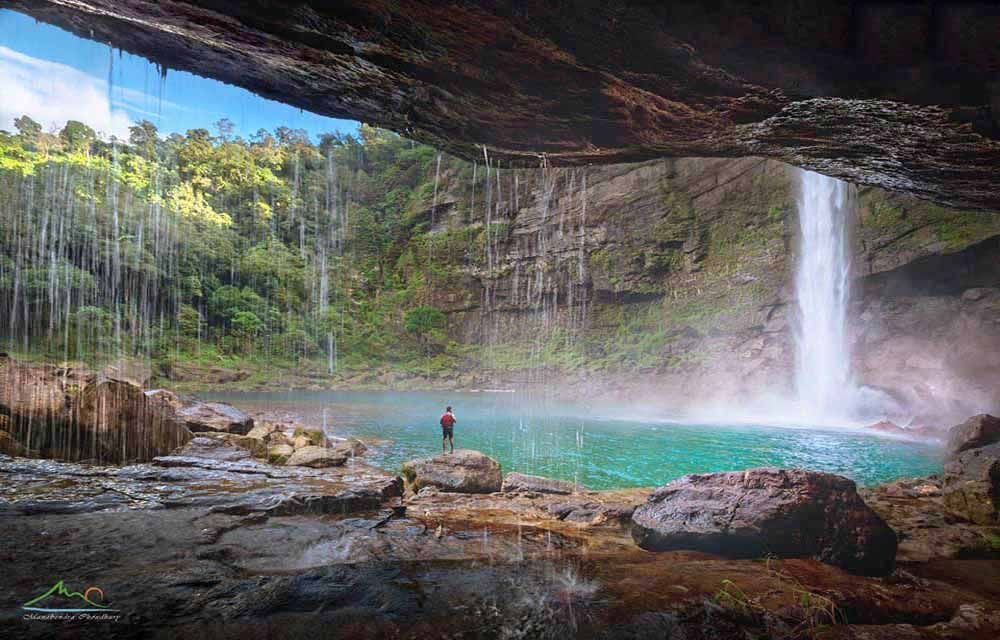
194, 548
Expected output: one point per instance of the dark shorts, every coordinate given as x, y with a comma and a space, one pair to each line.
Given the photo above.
448, 432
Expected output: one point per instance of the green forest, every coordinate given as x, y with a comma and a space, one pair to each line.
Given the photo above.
208, 247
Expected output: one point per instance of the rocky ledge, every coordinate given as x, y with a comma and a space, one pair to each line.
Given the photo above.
211, 539
900, 95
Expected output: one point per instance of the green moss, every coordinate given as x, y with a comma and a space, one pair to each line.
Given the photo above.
315, 436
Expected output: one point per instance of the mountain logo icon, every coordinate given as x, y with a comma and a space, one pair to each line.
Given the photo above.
60, 599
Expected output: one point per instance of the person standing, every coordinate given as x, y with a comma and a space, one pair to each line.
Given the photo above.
448, 429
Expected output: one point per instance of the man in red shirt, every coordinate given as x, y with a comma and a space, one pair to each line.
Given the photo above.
448, 429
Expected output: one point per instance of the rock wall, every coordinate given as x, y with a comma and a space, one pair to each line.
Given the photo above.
671, 279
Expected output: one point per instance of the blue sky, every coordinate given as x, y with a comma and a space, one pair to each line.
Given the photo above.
54, 76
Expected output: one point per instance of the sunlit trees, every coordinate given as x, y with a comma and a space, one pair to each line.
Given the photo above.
266, 246
77, 136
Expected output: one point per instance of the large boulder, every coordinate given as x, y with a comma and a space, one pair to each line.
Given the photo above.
521, 482
977, 431
757, 512
463, 471
30, 392
971, 484
317, 457
215, 416
115, 421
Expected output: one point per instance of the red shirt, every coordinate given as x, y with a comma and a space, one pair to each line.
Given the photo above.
447, 420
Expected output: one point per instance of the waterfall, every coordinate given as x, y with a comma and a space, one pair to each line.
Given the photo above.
823, 379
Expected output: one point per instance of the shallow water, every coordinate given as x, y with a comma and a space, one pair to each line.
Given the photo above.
599, 449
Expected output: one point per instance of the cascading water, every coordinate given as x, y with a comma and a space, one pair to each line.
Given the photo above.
824, 383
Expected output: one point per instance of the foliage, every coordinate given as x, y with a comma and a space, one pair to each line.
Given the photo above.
210, 246
426, 323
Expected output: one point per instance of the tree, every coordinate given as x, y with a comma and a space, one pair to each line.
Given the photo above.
425, 323
27, 128
225, 127
143, 136
77, 136
189, 321
245, 326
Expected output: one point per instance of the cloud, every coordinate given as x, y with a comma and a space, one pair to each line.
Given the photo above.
52, 93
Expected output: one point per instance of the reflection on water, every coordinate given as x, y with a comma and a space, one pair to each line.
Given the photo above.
596, 449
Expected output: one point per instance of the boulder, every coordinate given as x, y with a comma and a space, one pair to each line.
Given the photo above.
114, 421
464, 471
269, 433
307, 436
30, 392
514, 482
279, 453
977, 431
757, 512
927, 530
215, 416
256, 447
353, 445
971, 484
165, 398
261, 430
9, 445
317, 457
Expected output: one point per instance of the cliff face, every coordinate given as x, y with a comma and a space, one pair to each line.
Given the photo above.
671, 280
895, 94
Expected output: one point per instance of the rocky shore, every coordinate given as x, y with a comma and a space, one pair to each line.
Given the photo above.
258, 528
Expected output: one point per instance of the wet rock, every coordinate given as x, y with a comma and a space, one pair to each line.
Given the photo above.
535, 484
752, 513
166, 398
817, 88
279, 453
269, 433
117, 422
977, 620
256, 446
977, 431
262, 430
352, 445
317, 457
349, 501
304, 437
971, 484
975, 294
8, 445
464, 471
212, 449
887, 426
215, 416
926, 528
29, 391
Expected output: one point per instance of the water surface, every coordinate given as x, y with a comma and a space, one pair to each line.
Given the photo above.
599, 448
